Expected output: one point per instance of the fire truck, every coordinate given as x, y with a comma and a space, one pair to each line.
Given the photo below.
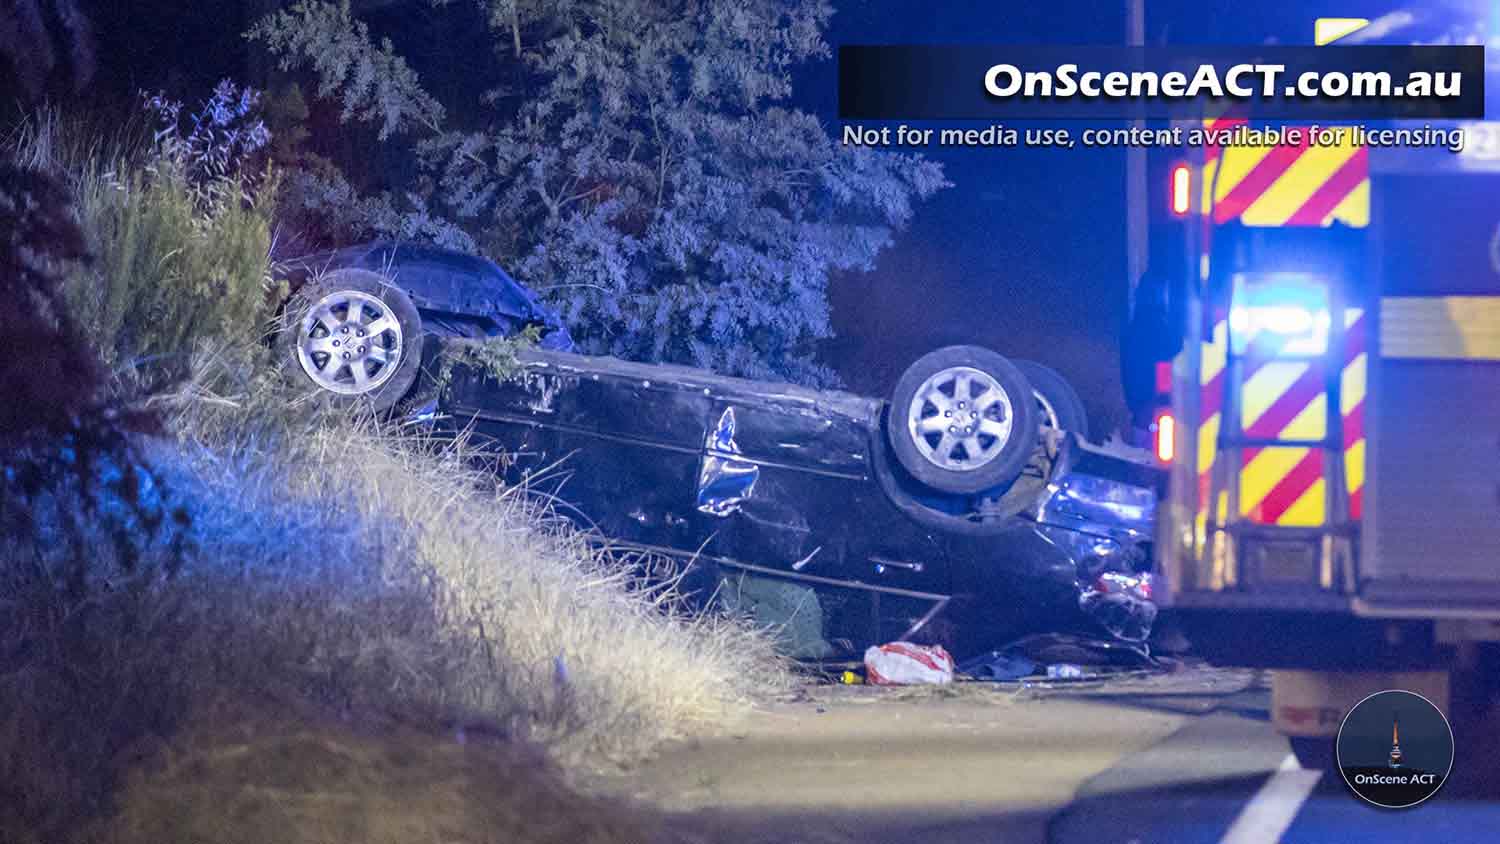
1325, 326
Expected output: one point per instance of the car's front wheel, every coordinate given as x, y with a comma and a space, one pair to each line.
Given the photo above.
352, 333
963, 420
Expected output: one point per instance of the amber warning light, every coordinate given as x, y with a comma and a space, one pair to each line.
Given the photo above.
1181, 179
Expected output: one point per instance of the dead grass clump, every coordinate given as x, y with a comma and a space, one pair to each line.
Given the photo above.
560, 641
332, 567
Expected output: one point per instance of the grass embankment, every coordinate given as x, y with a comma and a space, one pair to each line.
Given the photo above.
358, 635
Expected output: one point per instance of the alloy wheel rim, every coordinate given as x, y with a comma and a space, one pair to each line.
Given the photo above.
960, 419
349, 342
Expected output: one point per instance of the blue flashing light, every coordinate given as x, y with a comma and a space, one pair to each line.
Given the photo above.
1291, 306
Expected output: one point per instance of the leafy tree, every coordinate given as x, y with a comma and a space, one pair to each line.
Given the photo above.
640, 168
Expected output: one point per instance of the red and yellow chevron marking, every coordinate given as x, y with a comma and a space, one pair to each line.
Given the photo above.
1286, 185
1282, 400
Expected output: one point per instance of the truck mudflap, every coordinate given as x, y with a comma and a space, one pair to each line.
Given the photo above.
1313, 704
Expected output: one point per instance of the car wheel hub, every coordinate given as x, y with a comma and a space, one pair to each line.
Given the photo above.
349, 342
960, 419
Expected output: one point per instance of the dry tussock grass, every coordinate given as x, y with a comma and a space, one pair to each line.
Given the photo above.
562, 638
336, 568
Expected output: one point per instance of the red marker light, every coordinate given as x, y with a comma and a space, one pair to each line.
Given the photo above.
1166, 437
1181, 179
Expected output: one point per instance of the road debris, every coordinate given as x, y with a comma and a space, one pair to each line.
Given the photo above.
998, 667
1059, 656
903, 664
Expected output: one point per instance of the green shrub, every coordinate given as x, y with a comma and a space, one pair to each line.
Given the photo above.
167, 277
180, 248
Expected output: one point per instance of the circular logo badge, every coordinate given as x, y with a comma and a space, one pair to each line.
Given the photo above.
1395, 749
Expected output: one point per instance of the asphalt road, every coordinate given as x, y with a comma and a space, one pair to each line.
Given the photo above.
1177, 759
1180, 791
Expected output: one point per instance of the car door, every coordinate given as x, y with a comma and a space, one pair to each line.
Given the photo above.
787, 475
616, 445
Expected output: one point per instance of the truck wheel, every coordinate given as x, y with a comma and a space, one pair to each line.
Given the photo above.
1315, 753
1057, 401
962, 420
354, 334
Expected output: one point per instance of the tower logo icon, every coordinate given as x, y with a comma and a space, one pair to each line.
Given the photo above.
1395, 760
1395, 749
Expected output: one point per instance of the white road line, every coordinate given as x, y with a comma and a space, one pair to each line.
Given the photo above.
1274, 807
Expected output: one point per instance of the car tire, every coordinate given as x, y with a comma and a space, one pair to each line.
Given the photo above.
362, 308
961, 444
1059, 404
1315, 753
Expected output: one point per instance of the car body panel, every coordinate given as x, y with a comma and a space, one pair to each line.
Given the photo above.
662, 437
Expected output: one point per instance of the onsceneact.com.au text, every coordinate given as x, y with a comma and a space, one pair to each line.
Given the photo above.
1241, 80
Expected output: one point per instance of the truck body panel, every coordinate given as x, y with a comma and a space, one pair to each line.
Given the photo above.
1281, 512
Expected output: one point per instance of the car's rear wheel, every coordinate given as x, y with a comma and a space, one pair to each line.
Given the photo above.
962, 420
1059, 404
354, 334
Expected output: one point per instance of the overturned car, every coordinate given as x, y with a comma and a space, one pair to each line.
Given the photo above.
969, 507
903, 526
